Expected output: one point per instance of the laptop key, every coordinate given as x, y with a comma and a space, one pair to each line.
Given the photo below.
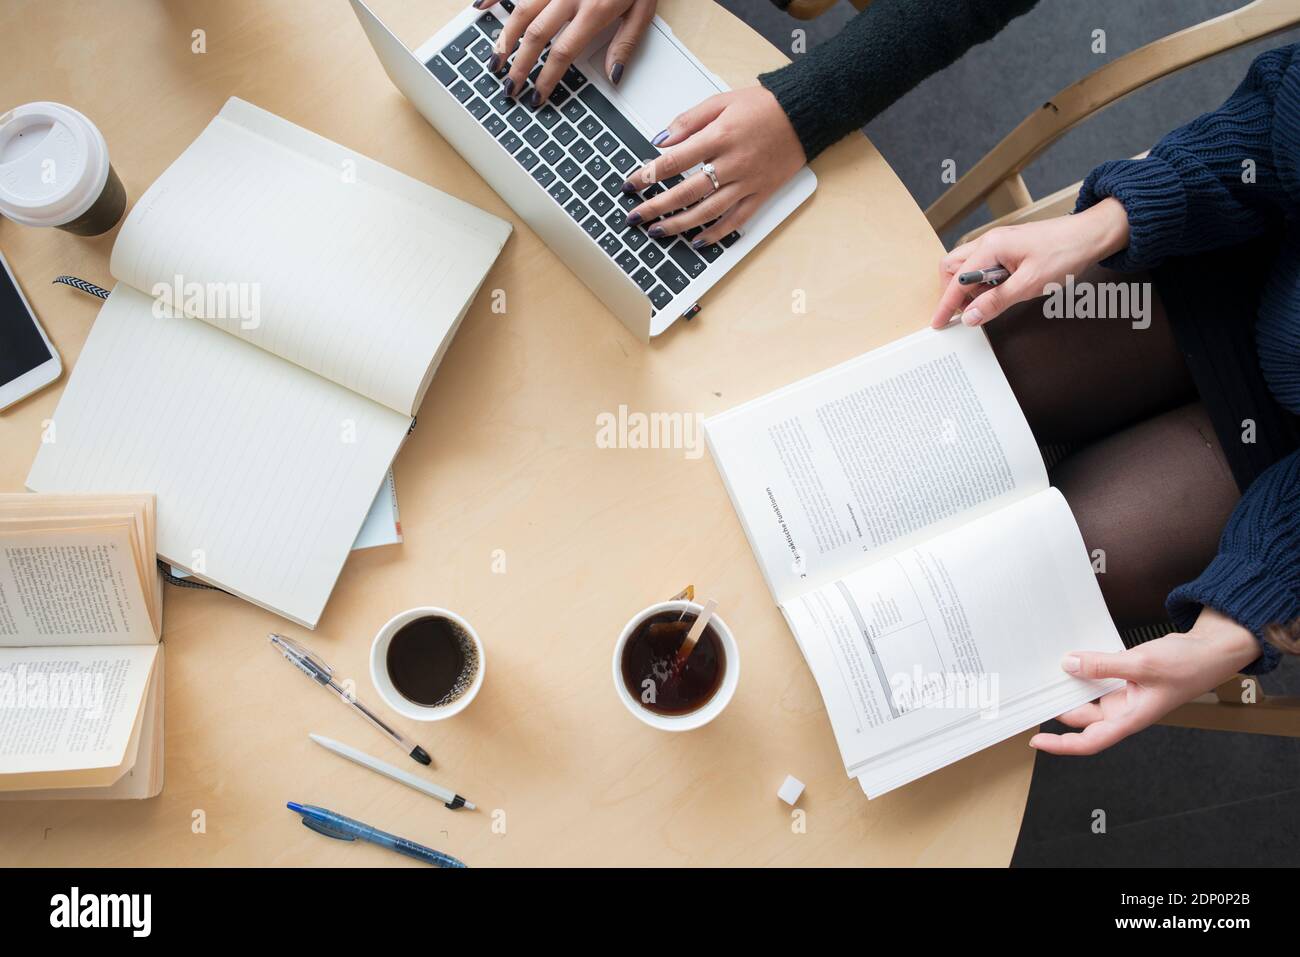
629, 201
519, 119
609, 242
487, 86
660, 297
567, 170
575, 79
594, 227
544, 175
590, 127
581, 150
462, 91
502, 103
481, 50
478, 108
618, 124
470, 68
454, 51
644, 278
439, 68
652, 255
616, 220
598, 167
552, 153
673, 277
494, 124
560, 193
535, 136
613, 185
490, 26
602, 204
605, 142
548, 116
623, 161
711, 252
577, 211
559, 96
585, 186
573, 110
527, 158
564, 133
626, 261
730, 239
634, 238
510, 141
685, 257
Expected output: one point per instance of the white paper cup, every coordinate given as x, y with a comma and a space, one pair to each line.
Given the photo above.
707, 711
54, 171
388, 691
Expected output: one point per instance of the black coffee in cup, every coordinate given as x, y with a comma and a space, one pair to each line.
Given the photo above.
432, 661
653, 673
54, 171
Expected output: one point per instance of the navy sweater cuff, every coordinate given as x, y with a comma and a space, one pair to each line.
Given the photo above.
1249, 593
1153, 196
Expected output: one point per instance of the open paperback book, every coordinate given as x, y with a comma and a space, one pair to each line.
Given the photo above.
901, 514
281, 307
81, 666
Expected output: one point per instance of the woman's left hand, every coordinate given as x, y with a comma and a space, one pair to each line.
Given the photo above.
753, 148
1161, 675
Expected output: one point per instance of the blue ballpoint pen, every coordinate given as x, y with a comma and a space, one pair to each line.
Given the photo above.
335, 825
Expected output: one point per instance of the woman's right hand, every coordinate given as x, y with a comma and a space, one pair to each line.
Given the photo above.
1036, 254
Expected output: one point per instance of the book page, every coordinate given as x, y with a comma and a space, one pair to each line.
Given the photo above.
964, 625
874, 455
70, 710
72, 586
263, 471
310, 251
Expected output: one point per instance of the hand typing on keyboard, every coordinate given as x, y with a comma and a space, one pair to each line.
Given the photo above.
750, 149
535, 23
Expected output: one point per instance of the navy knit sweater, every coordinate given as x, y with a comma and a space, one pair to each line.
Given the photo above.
1222, 179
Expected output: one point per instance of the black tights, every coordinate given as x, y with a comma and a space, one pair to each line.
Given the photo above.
1147, 481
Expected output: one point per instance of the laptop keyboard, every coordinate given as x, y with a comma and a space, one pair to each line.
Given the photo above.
580, 149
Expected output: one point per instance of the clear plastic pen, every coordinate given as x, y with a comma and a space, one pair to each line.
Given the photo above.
317, 670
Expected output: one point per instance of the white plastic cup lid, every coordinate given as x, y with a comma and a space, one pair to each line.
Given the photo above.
53, 164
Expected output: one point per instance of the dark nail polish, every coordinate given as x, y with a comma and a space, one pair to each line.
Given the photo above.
480, 4
656, 232
494, 64
629, 187
534, 99
508, 85
633, 219
659, 139
697, 244
616, 74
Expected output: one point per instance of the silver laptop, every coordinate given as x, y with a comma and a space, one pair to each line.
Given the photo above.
561, 167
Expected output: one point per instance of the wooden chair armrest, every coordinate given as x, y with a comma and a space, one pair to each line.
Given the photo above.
1001, 167
811, 9
1239, 705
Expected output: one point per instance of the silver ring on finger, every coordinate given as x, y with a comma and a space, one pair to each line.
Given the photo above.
711, 172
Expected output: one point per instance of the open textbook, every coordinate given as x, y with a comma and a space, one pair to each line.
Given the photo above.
81, 666
901, 514
281, 307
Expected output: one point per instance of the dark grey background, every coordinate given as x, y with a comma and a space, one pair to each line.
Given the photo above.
1170, 796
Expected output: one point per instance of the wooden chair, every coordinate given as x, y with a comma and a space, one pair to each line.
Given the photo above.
809, 9
996, 181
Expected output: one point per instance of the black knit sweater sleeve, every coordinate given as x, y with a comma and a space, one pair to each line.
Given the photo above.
882, 53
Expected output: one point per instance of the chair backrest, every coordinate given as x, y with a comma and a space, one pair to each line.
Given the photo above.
996, 179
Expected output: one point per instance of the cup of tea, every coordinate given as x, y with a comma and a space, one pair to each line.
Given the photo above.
659, 689
427, 663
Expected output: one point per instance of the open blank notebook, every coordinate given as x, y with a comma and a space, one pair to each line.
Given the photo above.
281, 307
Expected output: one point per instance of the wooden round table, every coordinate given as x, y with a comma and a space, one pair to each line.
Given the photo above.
512, 514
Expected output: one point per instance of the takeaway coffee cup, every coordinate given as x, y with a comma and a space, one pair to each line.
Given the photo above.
54, 171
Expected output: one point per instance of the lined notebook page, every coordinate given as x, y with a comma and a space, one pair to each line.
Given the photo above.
263, 471
357, 272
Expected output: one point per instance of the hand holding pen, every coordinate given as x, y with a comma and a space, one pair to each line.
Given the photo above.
1011, 264
317, 670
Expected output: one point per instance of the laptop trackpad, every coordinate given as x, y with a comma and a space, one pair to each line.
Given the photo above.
659, 83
